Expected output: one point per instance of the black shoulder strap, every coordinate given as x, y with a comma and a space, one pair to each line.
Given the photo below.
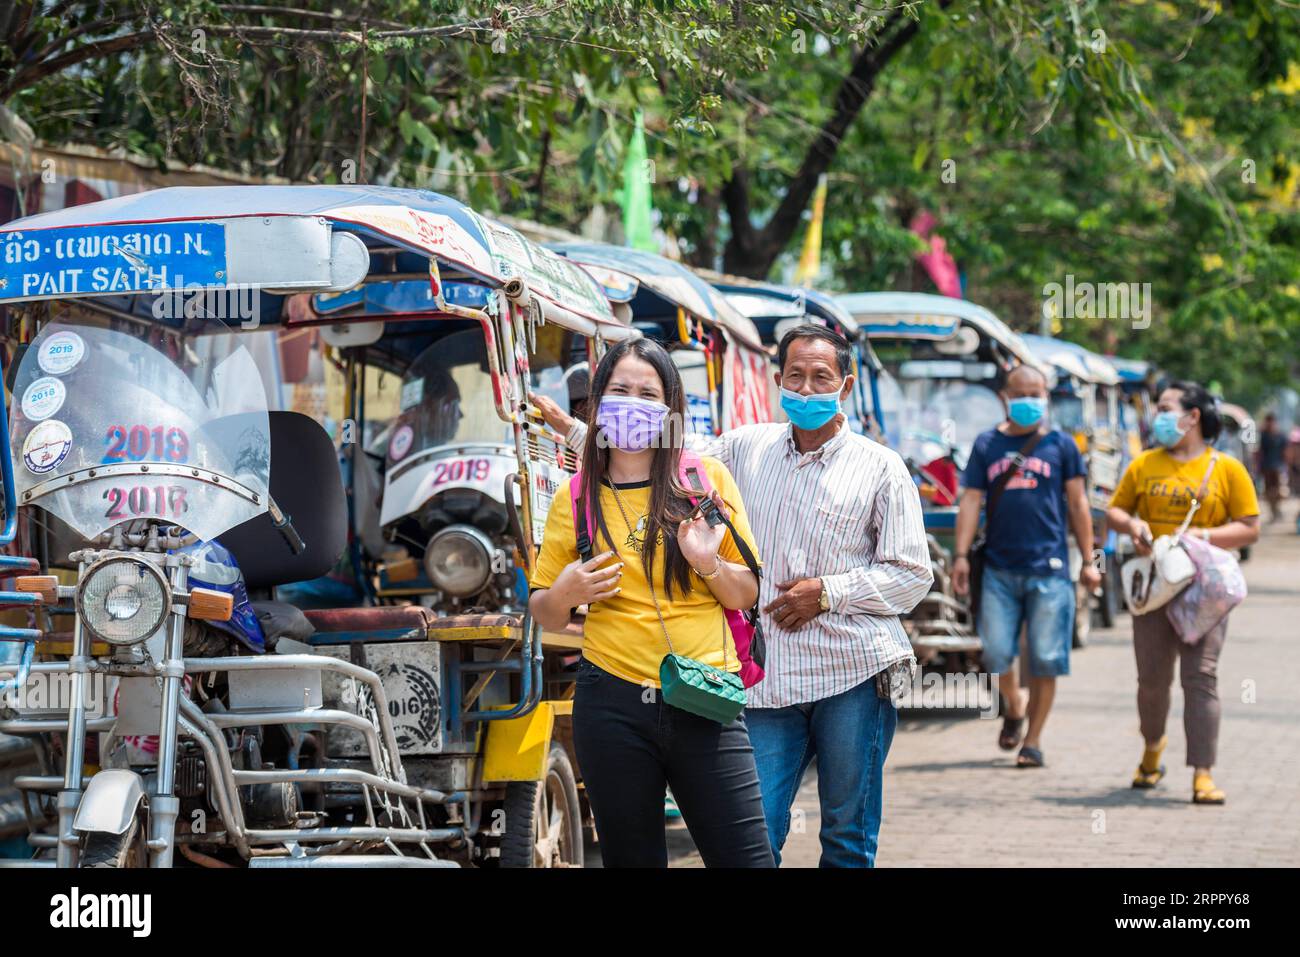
1000, 483
746, 553
581, 533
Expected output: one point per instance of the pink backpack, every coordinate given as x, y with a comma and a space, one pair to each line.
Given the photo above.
746, 626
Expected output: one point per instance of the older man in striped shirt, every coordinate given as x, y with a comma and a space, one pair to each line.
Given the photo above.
838, 523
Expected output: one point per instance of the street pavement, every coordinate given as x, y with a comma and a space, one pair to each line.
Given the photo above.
952, 798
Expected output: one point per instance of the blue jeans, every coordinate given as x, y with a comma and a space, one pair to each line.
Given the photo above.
1044, 603
849, 734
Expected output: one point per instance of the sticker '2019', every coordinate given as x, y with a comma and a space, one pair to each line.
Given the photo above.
140, 442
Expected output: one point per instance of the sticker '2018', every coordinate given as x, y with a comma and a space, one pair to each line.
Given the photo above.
140, 500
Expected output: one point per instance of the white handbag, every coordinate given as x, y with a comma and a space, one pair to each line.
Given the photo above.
1152, 581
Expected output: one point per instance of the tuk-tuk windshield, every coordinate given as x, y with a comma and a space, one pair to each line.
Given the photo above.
934, 418
447, 395
106, 428
1067, 413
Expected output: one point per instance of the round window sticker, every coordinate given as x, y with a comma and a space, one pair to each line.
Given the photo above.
61, 352
400, 443
43, 398
46, 446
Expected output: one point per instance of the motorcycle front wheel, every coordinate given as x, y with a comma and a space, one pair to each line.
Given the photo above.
104, 850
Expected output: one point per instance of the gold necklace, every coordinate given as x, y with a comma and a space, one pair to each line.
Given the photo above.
632, 542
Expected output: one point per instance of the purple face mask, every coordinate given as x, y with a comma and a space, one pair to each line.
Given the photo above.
629, 423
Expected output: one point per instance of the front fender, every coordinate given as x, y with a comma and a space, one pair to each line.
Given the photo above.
111, 800
408, 486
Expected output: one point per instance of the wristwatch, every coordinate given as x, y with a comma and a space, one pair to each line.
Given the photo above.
823, 600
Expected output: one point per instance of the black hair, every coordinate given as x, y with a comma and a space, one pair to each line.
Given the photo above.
810, 330
1195, 396
669, 502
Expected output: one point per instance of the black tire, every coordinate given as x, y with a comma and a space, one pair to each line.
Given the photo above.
1111, 602
103, 850
551, 802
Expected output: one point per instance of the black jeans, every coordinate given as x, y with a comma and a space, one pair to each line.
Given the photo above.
630, 745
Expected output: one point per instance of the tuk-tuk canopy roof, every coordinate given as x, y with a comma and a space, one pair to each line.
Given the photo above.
1132, 371
763, 302
919, 315
1235, 412
625, 272
282, 238
1073, 358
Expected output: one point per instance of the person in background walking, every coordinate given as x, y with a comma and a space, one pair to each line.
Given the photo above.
1153, 498
1272, 464
1033, 478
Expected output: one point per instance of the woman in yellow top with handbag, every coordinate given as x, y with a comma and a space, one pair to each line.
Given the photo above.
1153, 499
656, 589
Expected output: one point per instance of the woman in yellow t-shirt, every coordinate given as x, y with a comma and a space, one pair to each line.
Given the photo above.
1153, 498
657, 558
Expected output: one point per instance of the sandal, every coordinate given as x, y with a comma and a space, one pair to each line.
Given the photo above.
1029, 758
1010, 734
1204, 791
1150, 771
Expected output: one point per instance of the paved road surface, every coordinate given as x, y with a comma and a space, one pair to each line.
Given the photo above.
952, 798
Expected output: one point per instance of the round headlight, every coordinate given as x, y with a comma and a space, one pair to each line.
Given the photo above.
122, 600
459, 560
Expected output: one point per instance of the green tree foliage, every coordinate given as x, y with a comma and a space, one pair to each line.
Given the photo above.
1145, 141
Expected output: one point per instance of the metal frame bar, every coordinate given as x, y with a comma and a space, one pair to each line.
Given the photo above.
206, 730
529, 666
10, 530
144, 468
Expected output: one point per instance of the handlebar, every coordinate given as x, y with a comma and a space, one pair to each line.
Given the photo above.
284, 524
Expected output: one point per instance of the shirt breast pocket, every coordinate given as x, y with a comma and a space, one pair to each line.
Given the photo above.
837, 537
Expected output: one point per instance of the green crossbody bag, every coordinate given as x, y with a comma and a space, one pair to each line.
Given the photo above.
701, 689
693, 686
687, 683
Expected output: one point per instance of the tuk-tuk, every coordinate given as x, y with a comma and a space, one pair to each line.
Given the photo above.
775, 309
1085, 401
1137, 382
1240, 439
721, 357
200, 716
947, 359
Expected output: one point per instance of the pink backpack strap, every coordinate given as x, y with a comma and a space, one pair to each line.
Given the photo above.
745, 626
691, 475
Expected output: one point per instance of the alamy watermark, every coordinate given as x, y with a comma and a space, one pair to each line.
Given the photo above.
238, 303
1130, 301
52, 691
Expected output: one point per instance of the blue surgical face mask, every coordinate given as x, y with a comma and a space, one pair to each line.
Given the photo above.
1165, 430
810, 412
1027, 410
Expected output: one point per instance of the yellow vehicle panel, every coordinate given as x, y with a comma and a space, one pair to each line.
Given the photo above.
517, 748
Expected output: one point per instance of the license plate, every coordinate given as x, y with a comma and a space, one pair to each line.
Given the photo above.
411, 672
85, 260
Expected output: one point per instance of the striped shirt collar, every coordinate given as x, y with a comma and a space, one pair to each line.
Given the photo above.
823, 451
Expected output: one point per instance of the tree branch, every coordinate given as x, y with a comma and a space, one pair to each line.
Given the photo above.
29, 75
752, 251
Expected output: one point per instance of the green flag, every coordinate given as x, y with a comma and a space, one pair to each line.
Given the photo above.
638, 174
